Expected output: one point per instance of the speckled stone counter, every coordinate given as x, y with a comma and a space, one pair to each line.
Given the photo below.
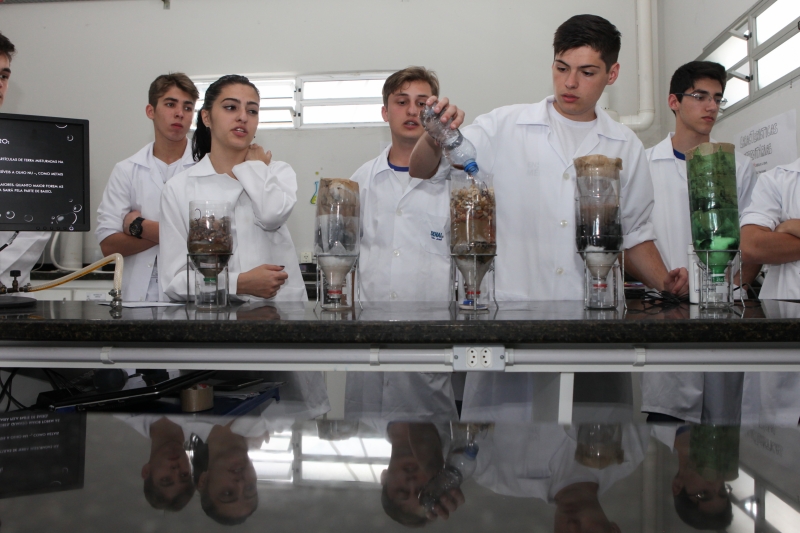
531, 323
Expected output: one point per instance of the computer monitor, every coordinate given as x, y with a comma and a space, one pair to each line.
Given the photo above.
44, 173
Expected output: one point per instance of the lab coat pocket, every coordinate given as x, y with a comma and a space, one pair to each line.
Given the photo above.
434, 234
433, 270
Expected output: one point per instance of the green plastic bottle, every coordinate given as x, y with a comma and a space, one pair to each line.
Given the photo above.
713, 204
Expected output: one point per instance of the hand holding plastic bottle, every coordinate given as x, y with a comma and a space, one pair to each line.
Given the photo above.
449, 114
442, 494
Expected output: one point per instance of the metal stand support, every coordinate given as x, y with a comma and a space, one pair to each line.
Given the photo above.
454, 276
619, 281
710, 296
218, 265
355, 290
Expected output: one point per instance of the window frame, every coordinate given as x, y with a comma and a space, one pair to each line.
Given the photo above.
300, 104
755, 52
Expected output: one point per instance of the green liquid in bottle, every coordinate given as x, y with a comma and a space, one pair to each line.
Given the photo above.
713, 204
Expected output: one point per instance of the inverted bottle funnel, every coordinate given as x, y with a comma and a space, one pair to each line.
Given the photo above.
337, 237
598, 227
473, 240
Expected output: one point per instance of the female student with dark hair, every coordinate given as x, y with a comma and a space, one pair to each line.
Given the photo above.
261, 193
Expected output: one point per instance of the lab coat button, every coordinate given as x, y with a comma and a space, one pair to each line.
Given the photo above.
394, 296
566, 175
399, 212
559, 271
397, 253
563, 223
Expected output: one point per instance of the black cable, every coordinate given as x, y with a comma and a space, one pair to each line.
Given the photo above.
51, 379
4, 385
655, 302
7, 391
9, 241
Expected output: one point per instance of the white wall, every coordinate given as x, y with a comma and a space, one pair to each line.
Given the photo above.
96, 60
685, 27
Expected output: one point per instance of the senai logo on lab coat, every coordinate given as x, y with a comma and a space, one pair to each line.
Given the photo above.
437, 235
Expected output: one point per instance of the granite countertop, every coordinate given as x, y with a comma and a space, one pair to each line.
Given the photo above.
402, 323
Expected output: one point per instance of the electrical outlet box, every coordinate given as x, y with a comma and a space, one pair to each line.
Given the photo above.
306, 257
479, 358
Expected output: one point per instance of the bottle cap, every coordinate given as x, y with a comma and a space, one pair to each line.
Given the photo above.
471, 451
471, 167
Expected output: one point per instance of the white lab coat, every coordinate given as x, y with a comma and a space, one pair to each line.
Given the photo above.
776, 198
535, 190
405, 246
262, 198
681, 394
405, 256
22, 255
135, 185
538, 460
773, 397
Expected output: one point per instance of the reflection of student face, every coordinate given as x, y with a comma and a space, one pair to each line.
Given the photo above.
5, 74
169, 469
233, 118
578, 511
710, 496
404, 480
230, 483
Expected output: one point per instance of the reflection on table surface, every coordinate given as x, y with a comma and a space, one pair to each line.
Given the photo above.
285, 468
635, 310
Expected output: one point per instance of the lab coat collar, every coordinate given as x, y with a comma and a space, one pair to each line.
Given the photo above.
145, 155
536, 114
142, 157
791, 167
383, 160
663, 150
383, 166
202, 169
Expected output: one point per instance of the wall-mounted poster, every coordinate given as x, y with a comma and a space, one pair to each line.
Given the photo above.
771, 142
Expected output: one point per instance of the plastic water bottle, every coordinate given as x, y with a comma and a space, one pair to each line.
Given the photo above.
458, 150
460, 465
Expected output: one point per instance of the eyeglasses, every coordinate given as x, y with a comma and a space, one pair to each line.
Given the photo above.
705, 496
705, 98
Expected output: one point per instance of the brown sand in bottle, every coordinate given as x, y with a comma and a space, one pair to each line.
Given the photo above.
594, 165
338, 191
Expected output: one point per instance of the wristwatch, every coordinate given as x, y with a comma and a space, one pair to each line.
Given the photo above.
135, 229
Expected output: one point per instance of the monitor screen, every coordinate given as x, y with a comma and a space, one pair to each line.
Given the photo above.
44, 173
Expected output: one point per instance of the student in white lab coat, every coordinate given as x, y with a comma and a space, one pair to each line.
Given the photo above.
25, 249
128, 215
262, 194
405, 252
771, 235
530, 148
695, 95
